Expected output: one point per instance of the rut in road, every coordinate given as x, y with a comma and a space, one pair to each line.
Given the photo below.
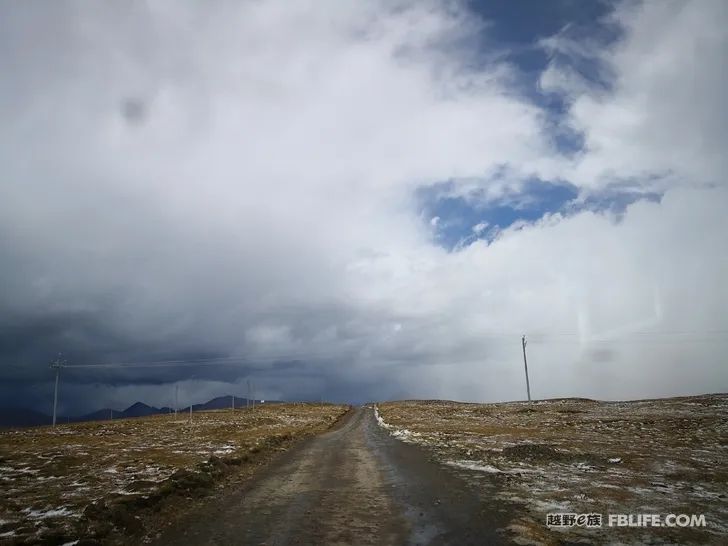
352, 485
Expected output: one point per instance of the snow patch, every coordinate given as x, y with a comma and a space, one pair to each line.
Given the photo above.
45, 514
403, 434
474, 465
224, 450
379, 419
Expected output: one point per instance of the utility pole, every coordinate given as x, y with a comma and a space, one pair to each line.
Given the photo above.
232, 402
176, 400
57, 364
525, 366
247, 400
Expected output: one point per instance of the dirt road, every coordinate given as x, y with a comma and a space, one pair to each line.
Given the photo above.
352, 485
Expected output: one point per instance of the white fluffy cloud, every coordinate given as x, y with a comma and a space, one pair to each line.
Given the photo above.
242, 177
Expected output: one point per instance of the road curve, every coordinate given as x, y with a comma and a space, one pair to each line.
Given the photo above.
351, 485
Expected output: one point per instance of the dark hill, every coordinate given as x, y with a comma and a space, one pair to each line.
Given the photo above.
21, 417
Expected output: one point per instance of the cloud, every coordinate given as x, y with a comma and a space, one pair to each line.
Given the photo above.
661, 123
242, 178
480, 227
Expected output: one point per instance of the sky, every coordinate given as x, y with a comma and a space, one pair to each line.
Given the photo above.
362, 201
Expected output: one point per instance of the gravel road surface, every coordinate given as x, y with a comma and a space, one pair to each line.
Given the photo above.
355, 484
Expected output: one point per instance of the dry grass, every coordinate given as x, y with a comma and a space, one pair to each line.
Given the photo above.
94, 479
575, 455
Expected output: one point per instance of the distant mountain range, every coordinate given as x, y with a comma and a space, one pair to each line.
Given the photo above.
21, 417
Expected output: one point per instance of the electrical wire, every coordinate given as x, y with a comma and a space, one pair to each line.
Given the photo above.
655, 336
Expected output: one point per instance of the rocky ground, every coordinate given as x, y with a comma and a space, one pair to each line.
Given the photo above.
111, 480
582, 456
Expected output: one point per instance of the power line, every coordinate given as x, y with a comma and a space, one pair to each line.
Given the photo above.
697, 336
221, 361
650, 336
658, 333
628, 341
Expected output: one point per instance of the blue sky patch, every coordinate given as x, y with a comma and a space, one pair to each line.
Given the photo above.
458, 220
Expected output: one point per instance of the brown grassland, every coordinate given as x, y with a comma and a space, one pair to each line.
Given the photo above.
114, 481
582, 456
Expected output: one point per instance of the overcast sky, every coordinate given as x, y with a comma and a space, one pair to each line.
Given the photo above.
363, 200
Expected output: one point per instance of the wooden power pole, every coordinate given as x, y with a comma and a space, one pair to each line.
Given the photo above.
525, 366
57, 364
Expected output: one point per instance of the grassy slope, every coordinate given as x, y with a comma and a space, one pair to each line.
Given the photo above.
110, 479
